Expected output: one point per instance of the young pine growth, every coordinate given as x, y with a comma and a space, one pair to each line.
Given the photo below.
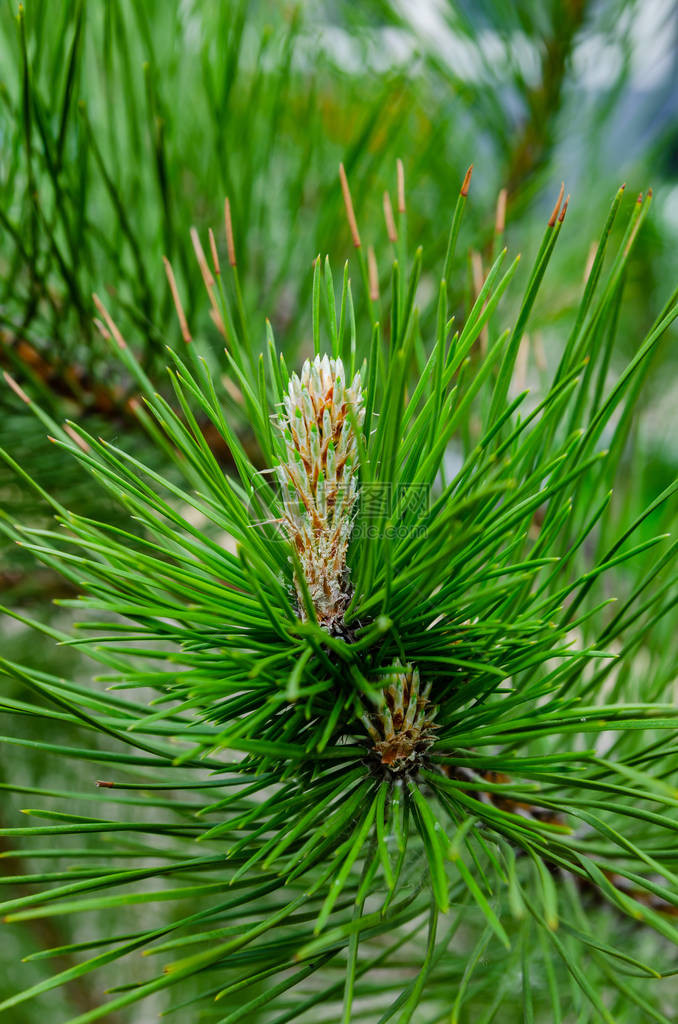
318, 477
402, 728
405, 761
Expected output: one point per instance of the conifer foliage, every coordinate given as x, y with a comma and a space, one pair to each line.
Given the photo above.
396, 761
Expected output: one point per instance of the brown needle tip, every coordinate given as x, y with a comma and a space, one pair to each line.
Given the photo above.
556, 208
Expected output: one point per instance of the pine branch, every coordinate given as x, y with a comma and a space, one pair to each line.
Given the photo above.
380, 689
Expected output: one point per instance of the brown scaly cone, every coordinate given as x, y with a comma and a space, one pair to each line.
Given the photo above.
402, 729
319, 482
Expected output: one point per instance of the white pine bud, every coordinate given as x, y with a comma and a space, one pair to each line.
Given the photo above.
320, 481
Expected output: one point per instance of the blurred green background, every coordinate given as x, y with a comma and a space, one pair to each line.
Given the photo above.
122, 124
